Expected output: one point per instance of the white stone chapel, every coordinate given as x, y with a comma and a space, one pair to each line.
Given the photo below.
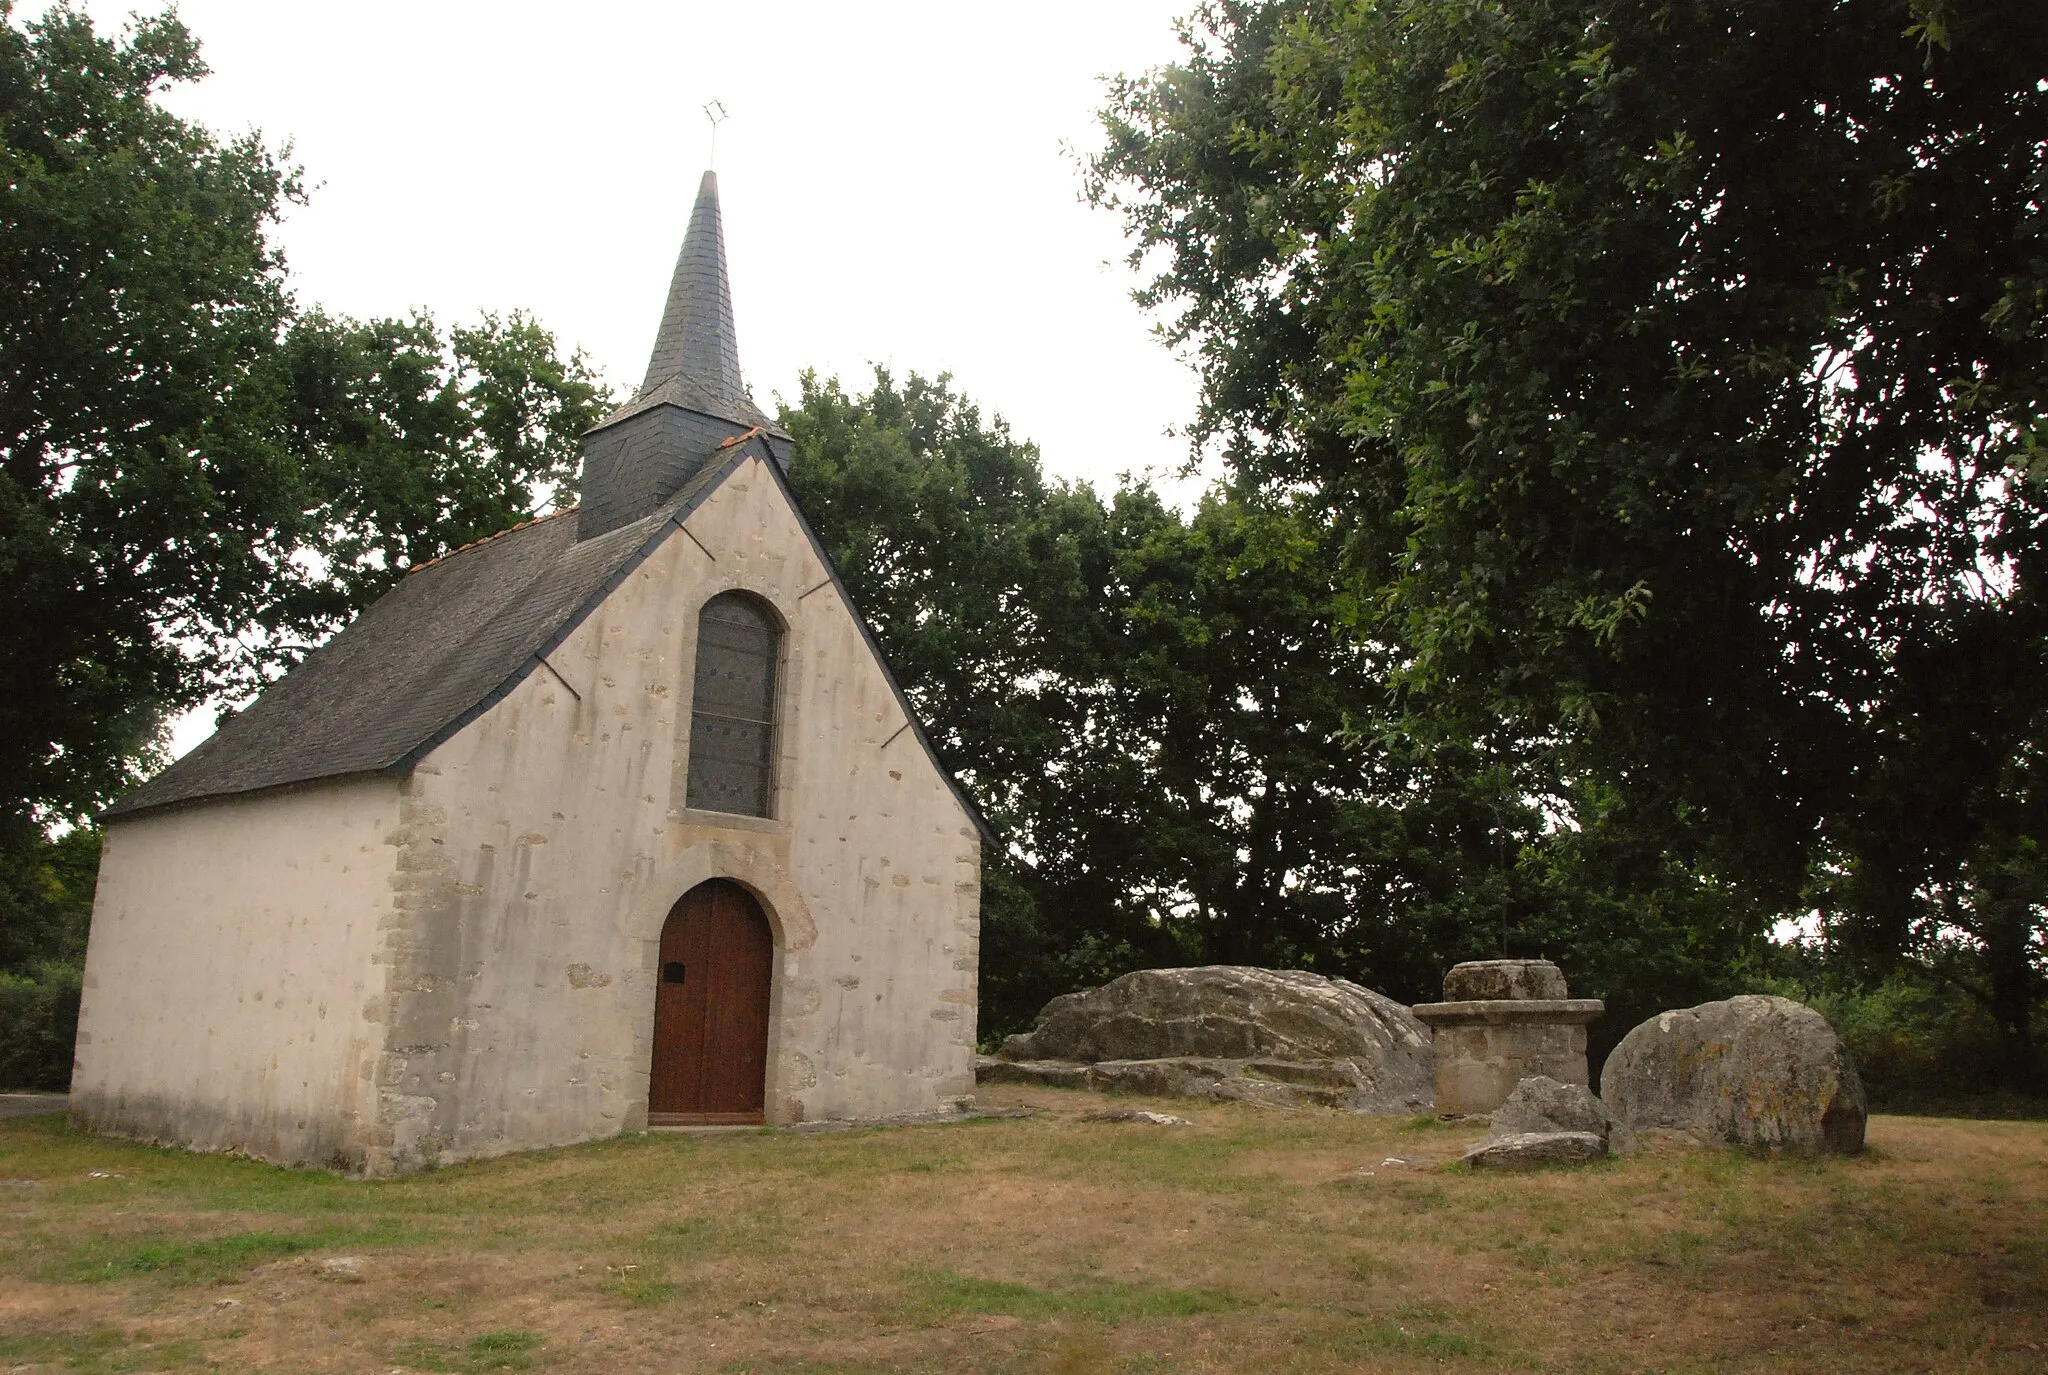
616, 818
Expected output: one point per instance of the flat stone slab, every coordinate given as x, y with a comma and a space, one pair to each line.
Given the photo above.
1155, 1119
1506, 1011
1534, 1150
1495, 979
1270, 1083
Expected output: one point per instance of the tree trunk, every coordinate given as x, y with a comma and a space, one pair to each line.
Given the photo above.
2007, 923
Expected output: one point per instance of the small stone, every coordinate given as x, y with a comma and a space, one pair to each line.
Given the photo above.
1542, 1104
227, 1303
1535, 1150
342, 1267
1157, 1119
1500, 980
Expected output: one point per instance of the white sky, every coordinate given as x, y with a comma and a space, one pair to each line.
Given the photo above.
894, 179
899, 181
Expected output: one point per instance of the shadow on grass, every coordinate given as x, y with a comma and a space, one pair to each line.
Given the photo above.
1975, 1107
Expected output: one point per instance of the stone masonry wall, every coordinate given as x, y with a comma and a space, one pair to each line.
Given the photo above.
540, 849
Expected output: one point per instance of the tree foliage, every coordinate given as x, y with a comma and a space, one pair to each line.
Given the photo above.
142, 300
195, 481
1186, 761
1677, 373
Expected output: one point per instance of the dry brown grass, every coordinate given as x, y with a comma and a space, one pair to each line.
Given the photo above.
1254, 1241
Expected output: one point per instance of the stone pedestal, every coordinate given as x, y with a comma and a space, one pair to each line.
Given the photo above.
1502, 1021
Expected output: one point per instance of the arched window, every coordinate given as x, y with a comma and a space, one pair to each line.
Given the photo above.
732, 710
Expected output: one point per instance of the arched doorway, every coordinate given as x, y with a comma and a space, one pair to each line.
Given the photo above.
710, 1060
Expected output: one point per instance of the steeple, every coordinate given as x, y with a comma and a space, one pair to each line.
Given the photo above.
696, 362
692, 399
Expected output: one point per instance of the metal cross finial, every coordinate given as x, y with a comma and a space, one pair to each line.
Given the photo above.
715, 112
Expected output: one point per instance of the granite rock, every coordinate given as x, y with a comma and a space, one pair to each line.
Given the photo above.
1751, 1071
1501, 980
1229, 1012
1283, 1037
1541, 1104
1155, 1119
1534, 1150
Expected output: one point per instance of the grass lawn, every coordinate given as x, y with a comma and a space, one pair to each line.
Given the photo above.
1254, 1240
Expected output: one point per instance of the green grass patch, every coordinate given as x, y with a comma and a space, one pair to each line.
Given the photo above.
201, 1261
1427, 1331
104, 1352
934, 1164
503, 1350
1421, 1341
1184, 1159
757, 1230
643, 1286
198, 1260
774, 1365
511, 1350
944, 1293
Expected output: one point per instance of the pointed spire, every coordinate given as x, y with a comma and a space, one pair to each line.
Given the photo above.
693, 401
696, 362
697, 335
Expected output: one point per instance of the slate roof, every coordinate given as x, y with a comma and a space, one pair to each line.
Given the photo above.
447, 644
425, 659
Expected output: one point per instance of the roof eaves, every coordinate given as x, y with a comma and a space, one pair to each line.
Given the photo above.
752, 414
478, 543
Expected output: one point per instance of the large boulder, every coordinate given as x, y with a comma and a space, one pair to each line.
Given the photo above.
1227, 1031
1750, 1071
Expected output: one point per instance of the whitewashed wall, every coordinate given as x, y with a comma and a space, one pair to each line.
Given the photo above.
229, 976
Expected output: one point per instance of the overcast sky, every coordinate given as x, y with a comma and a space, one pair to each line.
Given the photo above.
899, 183
899, 179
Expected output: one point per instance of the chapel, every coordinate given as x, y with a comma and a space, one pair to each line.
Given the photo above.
615, 819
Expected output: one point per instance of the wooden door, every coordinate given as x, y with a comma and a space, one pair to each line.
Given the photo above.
711, 1009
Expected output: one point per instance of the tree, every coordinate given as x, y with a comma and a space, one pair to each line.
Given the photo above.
1676, 372
1183, 757
136, 511
408, 445
194, 484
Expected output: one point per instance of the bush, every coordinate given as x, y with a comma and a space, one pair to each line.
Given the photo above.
38, 1026
1916, 1041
